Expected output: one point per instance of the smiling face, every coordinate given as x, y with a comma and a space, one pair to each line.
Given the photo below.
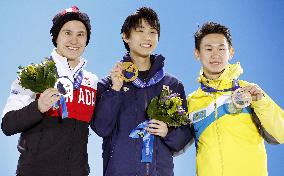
214, 54
71, 40
142, 40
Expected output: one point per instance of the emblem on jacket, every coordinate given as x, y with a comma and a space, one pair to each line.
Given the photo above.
87, 80
125, 89
14, 91
196, 117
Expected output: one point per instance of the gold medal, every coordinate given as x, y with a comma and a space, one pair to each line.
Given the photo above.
241, 99
130, 71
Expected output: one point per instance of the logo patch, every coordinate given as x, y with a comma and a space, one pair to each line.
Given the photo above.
125, 89
87, 80
14, 91
196, 117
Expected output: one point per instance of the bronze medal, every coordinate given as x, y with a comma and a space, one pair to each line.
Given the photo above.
232, 109
241, 99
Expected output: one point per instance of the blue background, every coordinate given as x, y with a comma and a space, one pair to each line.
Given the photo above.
257, 28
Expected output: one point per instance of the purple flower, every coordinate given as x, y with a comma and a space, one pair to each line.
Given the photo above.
180, 110
174, 95
164, 99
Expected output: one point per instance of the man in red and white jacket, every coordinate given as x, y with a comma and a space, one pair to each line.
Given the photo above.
49, 143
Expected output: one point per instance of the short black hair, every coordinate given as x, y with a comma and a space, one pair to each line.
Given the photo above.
134, 20
211, 28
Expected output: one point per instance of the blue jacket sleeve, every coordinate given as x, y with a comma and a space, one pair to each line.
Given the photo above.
178, 138
108, 103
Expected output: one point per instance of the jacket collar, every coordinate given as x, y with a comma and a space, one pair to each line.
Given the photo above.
63, 68
232, 71
157, 63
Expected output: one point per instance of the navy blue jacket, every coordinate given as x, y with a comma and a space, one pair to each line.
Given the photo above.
118, 112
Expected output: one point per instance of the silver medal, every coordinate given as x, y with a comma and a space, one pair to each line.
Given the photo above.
64, 87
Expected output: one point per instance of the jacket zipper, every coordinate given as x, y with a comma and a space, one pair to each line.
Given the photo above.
218, 134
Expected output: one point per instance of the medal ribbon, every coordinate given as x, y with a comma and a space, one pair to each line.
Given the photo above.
209, 89
78, 80
61, 102
154, 80
148, 141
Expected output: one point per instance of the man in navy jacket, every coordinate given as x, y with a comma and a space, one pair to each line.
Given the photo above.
121, 106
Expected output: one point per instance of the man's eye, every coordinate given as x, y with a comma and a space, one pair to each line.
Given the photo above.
208, 49
67, 33
81, 34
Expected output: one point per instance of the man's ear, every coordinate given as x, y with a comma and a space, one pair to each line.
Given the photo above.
232, 52
196, 54
124, 38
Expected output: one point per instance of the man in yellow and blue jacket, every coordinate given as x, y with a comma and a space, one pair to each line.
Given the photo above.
229, 141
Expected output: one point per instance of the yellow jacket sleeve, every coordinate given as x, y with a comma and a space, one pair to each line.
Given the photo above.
271, 117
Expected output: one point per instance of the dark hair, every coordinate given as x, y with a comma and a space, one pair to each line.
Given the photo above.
211, 28
134, 20
63, 17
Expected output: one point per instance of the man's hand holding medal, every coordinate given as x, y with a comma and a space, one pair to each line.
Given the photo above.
123, 71
242, 97
63, 88
254, 91
47, 99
